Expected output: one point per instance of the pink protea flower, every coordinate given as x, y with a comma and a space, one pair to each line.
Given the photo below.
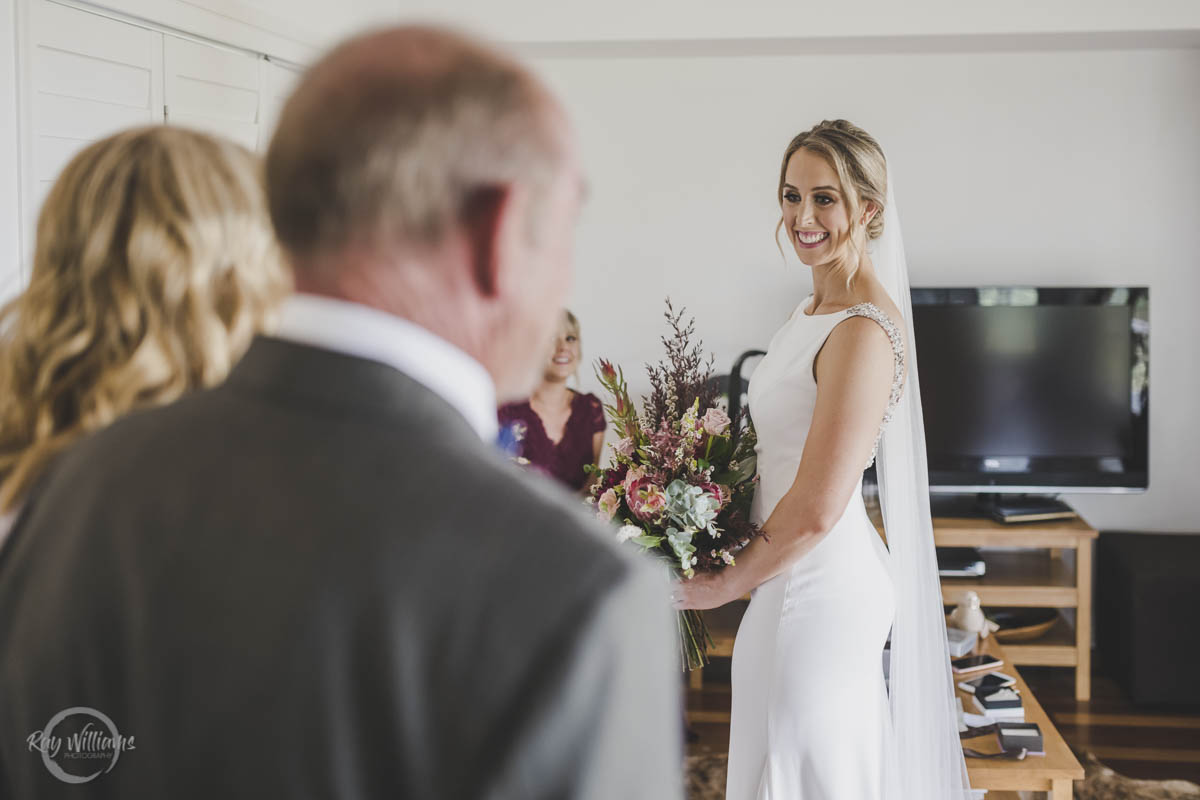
646, 500
635, 474
722, 493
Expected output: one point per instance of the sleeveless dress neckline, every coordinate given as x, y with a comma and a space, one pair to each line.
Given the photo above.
808, 304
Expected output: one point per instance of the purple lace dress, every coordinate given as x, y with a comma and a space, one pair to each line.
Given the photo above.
564, 461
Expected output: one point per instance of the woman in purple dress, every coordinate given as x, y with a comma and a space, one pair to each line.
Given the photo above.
558, 431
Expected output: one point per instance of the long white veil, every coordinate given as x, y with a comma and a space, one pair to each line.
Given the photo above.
929, 760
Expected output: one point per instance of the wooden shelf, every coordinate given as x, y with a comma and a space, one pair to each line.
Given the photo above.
1018, 579
1057, 648
976, 532
1033, 576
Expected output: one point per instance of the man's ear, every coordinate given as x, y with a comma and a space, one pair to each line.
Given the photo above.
486, 218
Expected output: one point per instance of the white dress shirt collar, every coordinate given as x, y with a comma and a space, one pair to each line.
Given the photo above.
358, 330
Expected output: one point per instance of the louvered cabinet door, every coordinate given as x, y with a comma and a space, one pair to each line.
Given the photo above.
89, 76
212, 89
277, 81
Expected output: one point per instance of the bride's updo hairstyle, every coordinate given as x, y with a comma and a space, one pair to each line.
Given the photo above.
862, 170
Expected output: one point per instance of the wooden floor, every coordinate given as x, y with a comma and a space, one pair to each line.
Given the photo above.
1139, 743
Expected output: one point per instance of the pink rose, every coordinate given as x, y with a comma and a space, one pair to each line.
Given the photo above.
608, 504
715, 422
646, 500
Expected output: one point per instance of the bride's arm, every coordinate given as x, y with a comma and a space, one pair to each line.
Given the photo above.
854, 379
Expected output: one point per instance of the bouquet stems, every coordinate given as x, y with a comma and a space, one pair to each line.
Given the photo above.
694, 640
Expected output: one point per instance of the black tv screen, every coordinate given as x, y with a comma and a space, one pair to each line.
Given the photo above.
1034, 389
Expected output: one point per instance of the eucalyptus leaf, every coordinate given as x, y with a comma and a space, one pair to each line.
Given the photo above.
647, 541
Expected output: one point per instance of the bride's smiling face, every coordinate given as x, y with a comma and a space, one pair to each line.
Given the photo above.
814, 208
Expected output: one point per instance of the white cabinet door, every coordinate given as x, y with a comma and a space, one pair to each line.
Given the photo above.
212, 89
277, 82
11, 244
88, 77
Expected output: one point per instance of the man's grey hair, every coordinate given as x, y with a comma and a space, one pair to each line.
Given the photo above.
390, 137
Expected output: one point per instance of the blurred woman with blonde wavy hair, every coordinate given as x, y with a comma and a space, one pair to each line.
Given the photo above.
154, 265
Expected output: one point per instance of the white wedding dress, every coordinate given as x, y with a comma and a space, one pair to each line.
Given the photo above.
810, 716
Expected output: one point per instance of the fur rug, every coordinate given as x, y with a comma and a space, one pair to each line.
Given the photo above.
706, 781
1101, 783
706, 777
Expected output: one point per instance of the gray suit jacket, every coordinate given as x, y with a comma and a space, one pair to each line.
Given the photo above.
316, 582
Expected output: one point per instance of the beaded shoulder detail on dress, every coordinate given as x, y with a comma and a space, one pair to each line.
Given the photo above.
872, 311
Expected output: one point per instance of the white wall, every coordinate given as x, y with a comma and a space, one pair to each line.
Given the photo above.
1042, 168
675, 20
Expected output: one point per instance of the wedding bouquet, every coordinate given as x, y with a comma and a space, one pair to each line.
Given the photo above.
678, 487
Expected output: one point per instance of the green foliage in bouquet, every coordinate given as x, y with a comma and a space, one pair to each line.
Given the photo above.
679, 486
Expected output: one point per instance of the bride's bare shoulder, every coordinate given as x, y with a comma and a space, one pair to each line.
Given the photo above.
865, 335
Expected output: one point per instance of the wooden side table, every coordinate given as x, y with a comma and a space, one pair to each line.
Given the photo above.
1054, 773
1037, 576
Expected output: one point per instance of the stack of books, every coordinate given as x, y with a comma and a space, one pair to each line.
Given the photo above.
1000, 703
1027, 508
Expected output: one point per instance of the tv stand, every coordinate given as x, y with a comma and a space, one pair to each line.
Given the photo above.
1038, 565
1004, 508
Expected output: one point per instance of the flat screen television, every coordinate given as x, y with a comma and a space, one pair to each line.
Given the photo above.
1034, 390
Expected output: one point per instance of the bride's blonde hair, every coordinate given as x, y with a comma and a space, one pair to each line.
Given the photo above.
861, 168
154, 265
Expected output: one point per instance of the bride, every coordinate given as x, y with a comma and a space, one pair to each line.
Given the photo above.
811, 716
